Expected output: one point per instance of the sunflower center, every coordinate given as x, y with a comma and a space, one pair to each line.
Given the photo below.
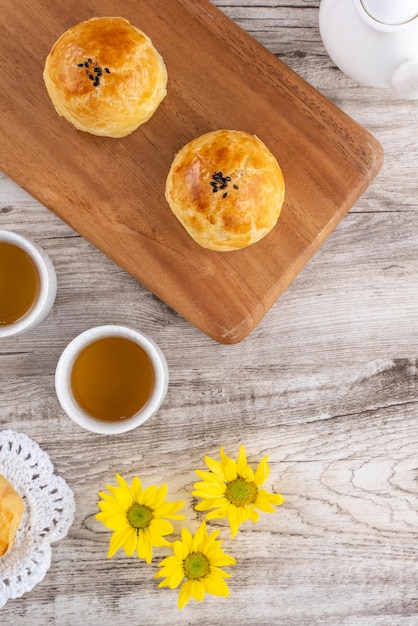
196, 566
139, 516
240, 492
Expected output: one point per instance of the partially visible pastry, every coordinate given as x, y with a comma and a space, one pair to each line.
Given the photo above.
11, 511
105, 76
226, 188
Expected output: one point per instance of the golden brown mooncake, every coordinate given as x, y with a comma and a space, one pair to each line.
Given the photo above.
105, 76
11, 511
226, 188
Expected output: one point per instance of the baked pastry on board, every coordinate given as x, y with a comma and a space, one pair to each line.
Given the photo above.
105, 76
226, 188
11, 511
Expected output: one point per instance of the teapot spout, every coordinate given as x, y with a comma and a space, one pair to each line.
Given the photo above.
405, 80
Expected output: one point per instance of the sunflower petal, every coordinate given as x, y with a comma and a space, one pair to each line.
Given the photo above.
276, 498
221, 587
136, 488
221, 572
208, 477
108, 497
180, 550
160, 527
208, 490
211, 542
148, 496
112, 507
113, 522
187, 538
123, 497
169, 510
122, 482
262, 472
167, 560
160, 495
242, 461
175, 578
198, 590
118, 540
212, 503
222, 455
164, 574
230, 470
199, 538
219, 558
168, 565
243, 514
215, 585
248, 474
130, 543
215, 467
203, 505
157, 541
144, 548
185, 594
234, 526
220, 513
263, 502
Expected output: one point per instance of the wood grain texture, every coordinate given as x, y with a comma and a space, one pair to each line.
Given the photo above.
326, 385
112, 192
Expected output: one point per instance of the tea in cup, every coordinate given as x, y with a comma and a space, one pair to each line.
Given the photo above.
28, 284
111, 379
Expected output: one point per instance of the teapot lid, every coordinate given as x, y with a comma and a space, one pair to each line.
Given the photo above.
391, 12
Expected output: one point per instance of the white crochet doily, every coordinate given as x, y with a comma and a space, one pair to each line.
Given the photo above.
49, 513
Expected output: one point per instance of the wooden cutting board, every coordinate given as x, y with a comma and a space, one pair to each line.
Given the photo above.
112, 190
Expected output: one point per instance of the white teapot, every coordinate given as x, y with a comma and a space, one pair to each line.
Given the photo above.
375, 42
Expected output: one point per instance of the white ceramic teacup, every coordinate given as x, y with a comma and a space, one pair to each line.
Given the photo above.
65, 393
47, 285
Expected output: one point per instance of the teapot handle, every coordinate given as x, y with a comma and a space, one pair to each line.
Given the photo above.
405, 80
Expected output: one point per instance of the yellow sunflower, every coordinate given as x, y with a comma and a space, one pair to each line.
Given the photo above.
232, 490
197, 559
137, 517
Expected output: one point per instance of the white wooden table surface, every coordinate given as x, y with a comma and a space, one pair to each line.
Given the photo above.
327, 386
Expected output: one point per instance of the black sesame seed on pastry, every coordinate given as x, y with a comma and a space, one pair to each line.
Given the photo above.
105, 76
226, 188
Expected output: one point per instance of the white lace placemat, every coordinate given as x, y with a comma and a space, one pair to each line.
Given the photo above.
49, 513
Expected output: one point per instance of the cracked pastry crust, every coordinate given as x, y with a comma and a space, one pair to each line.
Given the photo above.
226, 188
105, 76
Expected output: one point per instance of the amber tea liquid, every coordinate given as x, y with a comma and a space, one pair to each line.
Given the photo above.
19, 283
112, 378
